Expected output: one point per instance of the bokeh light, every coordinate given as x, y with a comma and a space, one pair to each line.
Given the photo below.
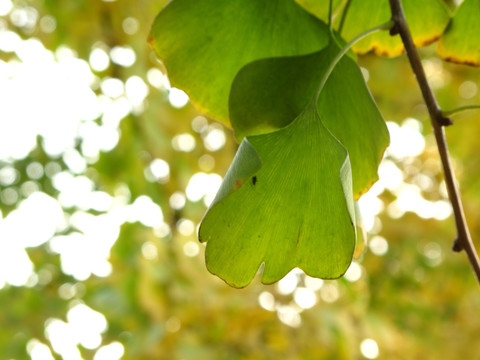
369, 349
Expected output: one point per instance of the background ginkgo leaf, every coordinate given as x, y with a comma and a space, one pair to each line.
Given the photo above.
268, 94
205, 43
320, 8
296, 210
426, 19
461, 41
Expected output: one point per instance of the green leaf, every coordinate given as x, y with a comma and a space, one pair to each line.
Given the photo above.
268, 94
296, 210
205, 43
362, 237
461, 41
320, 8
426, 19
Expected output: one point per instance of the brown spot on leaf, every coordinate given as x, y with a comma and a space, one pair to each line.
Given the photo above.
427, 41
299, 234
238, 184
461, 61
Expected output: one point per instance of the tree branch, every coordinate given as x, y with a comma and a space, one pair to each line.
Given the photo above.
463, 240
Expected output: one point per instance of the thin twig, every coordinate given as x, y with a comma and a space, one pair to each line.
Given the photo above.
464, 240
460, 109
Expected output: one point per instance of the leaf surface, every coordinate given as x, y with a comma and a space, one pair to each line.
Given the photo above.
426, 19
286, 202
203, 44
320, 8
461, 41
268, 94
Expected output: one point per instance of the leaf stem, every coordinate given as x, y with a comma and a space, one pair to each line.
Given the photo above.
386, 26
344, 16
330, 16
438, 120
460, 109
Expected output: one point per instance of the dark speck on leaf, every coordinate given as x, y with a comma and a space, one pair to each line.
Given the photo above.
254, 180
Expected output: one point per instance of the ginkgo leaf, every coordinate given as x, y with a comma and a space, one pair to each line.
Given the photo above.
320, 8
461, 41
203, 44
267, 94
426, 19
293, 208
362, 237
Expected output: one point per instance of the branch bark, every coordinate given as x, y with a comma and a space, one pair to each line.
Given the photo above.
463, 240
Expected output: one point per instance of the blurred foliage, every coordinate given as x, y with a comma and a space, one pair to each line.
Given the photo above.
417, 301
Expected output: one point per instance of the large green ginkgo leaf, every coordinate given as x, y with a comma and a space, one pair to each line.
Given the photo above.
267, 94
286, 202
205, 43
461, 41
426, 19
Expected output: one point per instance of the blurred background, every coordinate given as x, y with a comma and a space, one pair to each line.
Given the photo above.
106, 171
